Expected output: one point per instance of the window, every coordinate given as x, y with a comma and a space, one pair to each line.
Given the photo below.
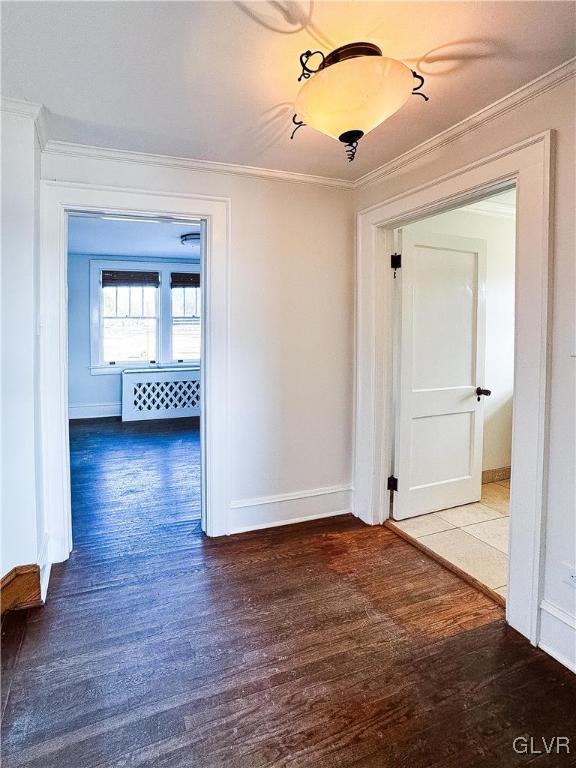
129, 316
144, 314
185, 300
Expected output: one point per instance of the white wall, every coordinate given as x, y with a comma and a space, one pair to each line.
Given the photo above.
291, 336
90, 396
22, 528
292, 320
499, 234
552, 109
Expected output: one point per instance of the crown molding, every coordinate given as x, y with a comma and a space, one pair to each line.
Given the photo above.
525, 93
29, 109
66, 149
20, 107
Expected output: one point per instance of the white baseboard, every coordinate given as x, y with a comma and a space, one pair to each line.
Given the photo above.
558, 634
285, 509
94, 410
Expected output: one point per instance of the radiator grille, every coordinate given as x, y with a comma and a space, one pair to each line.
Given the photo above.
161, 393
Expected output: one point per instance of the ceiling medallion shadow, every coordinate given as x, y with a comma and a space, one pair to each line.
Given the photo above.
351, 91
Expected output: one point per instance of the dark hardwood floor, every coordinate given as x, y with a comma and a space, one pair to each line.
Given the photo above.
316, 645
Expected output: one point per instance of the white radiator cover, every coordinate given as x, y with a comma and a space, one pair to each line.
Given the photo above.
160, 393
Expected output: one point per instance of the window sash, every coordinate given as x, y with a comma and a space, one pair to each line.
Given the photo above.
185, 302
136, 297
185, 332
141, 327
128, 317
193, 326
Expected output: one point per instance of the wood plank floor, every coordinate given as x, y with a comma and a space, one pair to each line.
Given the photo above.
316, 645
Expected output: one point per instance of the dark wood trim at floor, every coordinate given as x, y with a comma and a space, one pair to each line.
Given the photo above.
328, 644
493, 595
20, 588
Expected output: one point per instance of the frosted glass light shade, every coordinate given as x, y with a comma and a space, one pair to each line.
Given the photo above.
356, 94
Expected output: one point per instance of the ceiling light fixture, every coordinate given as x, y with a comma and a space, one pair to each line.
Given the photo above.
351, 91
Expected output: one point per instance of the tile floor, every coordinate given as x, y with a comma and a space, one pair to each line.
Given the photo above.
473, 537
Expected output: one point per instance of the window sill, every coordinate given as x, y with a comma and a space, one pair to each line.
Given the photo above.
106, 370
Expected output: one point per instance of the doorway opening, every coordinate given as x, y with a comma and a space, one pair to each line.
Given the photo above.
453, 352
135, 327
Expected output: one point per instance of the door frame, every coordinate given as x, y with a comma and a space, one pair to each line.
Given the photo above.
527, 166
57, 200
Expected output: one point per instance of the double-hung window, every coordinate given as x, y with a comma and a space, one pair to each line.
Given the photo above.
129, 316
144, 314
185, 301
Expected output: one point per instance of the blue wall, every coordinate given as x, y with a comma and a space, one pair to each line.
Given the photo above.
90, 395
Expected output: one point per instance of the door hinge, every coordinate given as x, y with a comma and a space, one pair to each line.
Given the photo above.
395, 262
392, 483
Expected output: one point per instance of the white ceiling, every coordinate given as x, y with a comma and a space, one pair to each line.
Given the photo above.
216, 80
94, 236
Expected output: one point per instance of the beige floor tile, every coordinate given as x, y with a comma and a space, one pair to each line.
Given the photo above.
473, 556
496, 497
423, 525
468, 514
502, 591
504, 483
493, 532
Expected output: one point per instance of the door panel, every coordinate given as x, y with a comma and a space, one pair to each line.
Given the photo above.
443, 332
450, 435
438, 445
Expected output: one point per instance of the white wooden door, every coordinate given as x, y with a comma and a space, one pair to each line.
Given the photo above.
440, 363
